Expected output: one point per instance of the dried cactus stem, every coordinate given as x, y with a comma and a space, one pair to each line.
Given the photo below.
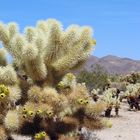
108, 112
117, 111
95, 98
133, 103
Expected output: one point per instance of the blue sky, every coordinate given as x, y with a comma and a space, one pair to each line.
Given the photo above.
116, 23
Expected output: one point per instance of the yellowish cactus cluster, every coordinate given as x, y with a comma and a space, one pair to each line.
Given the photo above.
39, 96
8, 97
68, 80
4, 92
132, 94
111, 100
132, 90
51, 108
40, 135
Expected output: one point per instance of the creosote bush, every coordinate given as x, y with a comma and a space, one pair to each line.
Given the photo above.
38, 95
97, 78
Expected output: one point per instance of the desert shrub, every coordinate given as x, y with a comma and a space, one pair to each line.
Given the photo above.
97, 78
131, 78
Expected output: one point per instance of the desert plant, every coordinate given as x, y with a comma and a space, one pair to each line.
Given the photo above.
131, 78
37, 96
95, 94
111, 99
132, 94
98, 78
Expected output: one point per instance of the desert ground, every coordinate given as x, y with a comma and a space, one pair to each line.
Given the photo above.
125, 127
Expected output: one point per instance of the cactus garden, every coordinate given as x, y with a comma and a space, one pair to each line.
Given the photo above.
40, 96
69, 70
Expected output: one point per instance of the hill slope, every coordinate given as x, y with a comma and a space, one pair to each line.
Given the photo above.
113, 64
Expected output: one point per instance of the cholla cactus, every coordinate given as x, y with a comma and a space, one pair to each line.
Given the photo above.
3, 60
116, 104
132, 94
47, 50
41, 135
94, 94
32, 91
131, 78
69, 80
111, 101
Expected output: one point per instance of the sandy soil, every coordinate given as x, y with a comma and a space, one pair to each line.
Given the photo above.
125, 127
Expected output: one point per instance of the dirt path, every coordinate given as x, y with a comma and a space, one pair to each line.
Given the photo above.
125, 127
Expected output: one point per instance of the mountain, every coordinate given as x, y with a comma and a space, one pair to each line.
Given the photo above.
113, 64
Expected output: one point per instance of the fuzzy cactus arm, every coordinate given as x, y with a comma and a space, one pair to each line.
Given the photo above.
3, 60
4, 34
36, 69
16, 48
12, 40
43, 26
11, 121
7, 33
30, 34
80, 51
13, 29
53, 48
8, 75
14, 94
86, 34
69, 37
30, 52
35, 66
67, 61
85, 43
71, 59
41, 42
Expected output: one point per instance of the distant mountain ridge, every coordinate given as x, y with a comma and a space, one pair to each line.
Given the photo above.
113, 64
